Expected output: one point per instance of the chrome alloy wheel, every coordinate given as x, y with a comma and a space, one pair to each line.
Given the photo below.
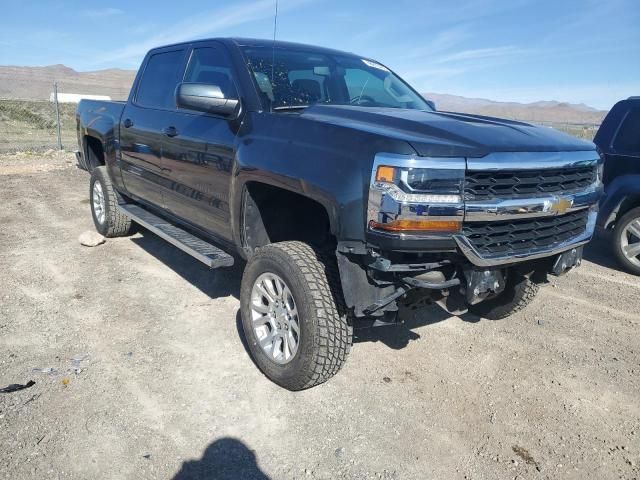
98, 202
274, 317
630, 242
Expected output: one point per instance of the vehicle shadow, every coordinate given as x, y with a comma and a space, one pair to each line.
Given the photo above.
598, 250
215, 283
399, 336
225, 459
226, 281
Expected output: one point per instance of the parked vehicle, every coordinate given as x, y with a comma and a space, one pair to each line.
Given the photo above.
343, 189
619, 141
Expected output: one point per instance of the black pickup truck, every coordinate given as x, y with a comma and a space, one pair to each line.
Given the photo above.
344, 190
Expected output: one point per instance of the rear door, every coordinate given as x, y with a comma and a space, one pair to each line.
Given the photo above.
624, 153
199, 157
142, 138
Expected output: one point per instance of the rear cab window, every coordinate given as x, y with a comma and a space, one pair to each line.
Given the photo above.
159, 80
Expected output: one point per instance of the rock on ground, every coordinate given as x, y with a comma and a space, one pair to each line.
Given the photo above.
91, 239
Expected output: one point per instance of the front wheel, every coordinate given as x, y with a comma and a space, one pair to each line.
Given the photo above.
626, 241
519, 292
292, 315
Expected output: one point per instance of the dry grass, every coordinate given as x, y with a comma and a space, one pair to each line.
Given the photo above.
31, 126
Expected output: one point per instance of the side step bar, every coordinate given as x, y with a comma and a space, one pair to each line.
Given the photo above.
208, 254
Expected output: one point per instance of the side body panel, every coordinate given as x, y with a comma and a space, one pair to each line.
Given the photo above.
100, 120
141, 147
327, 163
198, 162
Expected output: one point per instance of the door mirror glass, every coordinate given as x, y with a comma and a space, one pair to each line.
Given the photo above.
207, 98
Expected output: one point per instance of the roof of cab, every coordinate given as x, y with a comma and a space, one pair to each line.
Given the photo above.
254, 42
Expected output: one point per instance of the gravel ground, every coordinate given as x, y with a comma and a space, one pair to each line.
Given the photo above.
141, 372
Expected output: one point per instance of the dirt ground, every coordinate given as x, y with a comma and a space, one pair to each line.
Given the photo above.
141, 371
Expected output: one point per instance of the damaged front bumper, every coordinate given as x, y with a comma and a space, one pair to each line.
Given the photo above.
541, 232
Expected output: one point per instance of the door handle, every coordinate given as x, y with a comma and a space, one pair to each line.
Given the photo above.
128, 123
170, 131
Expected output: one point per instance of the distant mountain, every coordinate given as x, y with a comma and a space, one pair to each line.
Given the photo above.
542, 111
36, 83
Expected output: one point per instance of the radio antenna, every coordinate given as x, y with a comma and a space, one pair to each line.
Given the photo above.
273, 52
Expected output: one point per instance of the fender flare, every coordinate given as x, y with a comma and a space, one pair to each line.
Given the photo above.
241, 182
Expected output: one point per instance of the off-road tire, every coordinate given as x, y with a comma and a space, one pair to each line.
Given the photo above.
621, 224
518, 293
325, 333
116, 224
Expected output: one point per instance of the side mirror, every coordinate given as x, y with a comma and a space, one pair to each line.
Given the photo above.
431, 103
204, 97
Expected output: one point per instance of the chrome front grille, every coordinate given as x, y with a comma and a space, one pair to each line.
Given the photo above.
506, 184
512, 237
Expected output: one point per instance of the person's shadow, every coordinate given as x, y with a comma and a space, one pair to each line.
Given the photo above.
225, 459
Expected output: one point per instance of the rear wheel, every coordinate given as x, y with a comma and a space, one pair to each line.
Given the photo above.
108, 220
292, 315
519, 292
626, 241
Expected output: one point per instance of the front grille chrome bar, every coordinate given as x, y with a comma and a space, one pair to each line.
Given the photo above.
483, 260
517, 208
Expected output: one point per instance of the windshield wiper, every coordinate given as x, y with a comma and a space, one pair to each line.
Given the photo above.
290, 107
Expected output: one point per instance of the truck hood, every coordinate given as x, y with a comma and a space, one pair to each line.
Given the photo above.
448, 134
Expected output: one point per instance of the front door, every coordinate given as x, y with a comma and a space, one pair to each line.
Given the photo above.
199, 157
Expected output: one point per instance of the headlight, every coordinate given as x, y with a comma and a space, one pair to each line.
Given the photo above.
416, 194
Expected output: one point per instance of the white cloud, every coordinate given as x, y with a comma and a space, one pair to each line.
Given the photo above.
432, 73
456, 63
481, 54
198, 26
441, 42
102, 12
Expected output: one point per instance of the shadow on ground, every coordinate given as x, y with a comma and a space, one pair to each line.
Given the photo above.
398, 336
226, 281
220, 282
599, 250
225, 459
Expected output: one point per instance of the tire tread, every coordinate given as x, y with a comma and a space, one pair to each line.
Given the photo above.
334, 334
117, 223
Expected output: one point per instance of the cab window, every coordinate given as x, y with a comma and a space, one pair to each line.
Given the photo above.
210, 65
159, 80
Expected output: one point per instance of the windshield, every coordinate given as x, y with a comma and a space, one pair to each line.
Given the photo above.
306, 78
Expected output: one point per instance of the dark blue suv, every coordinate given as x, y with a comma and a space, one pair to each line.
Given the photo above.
619, 141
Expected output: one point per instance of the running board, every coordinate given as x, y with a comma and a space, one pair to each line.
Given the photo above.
211, 256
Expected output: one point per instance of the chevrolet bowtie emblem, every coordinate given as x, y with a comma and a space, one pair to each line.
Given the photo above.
560, 206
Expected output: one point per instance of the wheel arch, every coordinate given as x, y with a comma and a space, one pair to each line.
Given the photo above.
271, 212
623, 194
93, 151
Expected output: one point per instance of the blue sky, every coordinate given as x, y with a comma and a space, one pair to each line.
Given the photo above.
513, 50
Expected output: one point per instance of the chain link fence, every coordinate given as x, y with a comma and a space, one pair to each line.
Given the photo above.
30, 125
585, 131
